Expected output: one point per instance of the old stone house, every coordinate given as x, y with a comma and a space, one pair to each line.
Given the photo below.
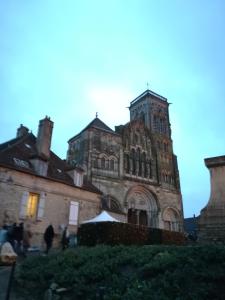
37, 187
134, 165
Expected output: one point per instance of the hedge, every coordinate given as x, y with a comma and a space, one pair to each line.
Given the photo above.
114, 233
127, 273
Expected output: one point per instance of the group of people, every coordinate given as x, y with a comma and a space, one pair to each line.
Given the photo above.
18, 236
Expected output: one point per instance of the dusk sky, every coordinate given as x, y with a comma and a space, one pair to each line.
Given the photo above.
70, 59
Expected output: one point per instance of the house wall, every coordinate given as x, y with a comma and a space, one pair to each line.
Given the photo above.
57, 202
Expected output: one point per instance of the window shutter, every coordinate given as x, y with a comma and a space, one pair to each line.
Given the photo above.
23, 205
73, 217
41, 206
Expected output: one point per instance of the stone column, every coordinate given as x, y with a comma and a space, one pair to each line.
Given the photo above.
131, 165
211, 221
121, 164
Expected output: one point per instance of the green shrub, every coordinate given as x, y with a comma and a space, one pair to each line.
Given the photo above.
128, 273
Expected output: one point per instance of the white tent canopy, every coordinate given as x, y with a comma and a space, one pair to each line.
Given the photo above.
102, 217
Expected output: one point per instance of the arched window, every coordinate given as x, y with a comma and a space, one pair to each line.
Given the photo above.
127, 163
135, 139
165, 147
139, 162
144, 164
103, 163
133, 161
158, 145
111, 203
161, 125
95, 162
114, 205
155, 122
142, 117
166, 178
112, 164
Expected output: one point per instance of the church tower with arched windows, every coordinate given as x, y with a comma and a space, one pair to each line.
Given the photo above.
134, 165
153, 110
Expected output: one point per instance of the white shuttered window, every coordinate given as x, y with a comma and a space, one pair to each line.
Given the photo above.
73, 216
41, 206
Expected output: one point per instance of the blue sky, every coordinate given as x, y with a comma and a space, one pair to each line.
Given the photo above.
68, 59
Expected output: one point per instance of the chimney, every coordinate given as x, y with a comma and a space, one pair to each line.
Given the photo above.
44, 137
21, 131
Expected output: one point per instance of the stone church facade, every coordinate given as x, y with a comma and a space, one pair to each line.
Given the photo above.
134, 165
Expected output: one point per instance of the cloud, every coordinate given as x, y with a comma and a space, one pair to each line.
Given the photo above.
111, 103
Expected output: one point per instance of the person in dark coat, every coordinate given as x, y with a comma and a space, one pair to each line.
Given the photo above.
48, 237
18, 235
27, 235
11, 233
65, 238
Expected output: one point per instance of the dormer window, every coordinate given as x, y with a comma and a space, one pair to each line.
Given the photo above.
78, 178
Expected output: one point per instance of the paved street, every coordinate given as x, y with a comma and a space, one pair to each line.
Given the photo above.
4, 279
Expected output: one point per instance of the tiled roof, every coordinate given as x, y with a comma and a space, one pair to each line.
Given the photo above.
96, 123
17, 153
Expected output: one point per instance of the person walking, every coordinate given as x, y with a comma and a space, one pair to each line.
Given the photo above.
65, 238
27, 235
48, 237
11, 235
18, 233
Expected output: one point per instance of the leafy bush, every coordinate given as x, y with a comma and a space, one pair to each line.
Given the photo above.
113, 233
128, 273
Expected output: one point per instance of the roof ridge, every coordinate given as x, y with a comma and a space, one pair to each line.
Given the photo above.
18, 140
93, 125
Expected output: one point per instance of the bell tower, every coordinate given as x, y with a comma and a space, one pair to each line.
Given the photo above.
153, 110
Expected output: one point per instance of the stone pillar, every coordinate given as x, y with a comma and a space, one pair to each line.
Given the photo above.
148, 170
211, 221
131, 166
121, 163
142, 169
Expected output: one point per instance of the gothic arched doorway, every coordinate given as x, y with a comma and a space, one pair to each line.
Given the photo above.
143, 218
142, 207
132, 216
171, 219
